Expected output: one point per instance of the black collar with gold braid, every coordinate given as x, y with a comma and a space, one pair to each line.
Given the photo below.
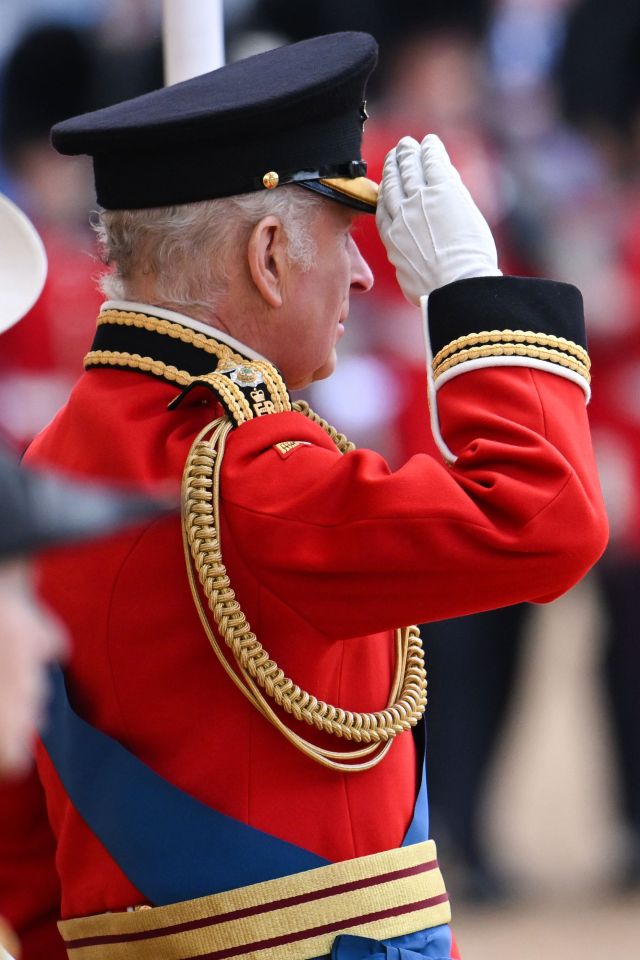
181, 356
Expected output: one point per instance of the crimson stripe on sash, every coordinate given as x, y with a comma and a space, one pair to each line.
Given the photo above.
267, 908
337, 925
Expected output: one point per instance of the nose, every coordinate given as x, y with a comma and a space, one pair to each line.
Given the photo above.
361, 275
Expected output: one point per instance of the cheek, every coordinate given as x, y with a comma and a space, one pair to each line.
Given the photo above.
332, 296
334, 279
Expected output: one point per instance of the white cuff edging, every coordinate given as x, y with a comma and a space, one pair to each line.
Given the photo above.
476, 364
448, 455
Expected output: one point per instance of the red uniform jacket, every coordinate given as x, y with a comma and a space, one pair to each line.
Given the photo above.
327, 553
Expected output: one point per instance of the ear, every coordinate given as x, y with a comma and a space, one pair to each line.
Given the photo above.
268, 261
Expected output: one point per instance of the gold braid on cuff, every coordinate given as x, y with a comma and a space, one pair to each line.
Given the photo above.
256, 674
513, 343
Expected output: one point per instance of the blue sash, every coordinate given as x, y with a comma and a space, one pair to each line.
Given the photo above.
171, 846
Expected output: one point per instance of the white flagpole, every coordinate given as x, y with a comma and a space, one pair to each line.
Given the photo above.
193, 38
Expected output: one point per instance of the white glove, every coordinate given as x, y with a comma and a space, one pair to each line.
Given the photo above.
432, 229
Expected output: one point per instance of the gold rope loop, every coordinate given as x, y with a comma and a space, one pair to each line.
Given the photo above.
257, 671
341, 442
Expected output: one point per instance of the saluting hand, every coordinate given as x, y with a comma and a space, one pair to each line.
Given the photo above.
432, 230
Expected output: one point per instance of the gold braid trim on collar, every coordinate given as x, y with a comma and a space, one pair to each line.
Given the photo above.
247, 388
134, 361
176, 331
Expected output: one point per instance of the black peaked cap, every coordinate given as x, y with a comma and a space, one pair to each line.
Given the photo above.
296, 111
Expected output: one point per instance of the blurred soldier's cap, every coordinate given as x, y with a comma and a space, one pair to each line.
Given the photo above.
291, 115
23, 264
40, 509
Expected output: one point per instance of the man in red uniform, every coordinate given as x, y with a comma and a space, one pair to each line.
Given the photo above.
234, 762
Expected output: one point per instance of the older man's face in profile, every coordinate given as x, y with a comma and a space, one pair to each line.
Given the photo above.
319, 299
30, 638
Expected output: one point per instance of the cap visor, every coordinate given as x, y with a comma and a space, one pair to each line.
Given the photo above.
359, 193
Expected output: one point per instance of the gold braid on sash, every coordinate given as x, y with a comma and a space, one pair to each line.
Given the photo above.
256, 673
382, 895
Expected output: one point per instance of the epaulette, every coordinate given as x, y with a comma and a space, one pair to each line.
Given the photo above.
183, 357
245, 390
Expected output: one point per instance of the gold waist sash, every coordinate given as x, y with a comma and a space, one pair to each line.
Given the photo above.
384, 895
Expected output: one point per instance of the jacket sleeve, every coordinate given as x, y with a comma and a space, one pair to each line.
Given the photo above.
515, 515
29, 886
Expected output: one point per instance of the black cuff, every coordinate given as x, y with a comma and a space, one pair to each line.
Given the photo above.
487, 321
500, 303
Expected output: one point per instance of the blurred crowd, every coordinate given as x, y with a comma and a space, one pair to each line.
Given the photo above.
538, 102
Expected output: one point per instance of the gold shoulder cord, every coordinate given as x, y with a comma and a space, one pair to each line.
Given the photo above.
256, 671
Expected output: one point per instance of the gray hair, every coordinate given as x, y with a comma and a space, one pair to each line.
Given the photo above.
168, 241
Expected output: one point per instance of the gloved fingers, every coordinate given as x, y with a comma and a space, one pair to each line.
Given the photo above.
401, 175
391, 193
383, 217
436, 165
410, 165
